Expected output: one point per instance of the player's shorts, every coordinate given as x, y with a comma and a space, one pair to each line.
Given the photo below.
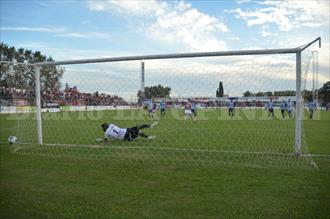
150, 110
187, 112
230, 109
131, 133
282, 110
162, 110
271, 110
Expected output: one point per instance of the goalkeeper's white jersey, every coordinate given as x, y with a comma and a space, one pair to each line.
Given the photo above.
115, 132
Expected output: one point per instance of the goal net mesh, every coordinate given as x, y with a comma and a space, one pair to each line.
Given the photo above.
75, 104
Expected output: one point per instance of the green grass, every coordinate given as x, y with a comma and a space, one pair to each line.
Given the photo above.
133, 183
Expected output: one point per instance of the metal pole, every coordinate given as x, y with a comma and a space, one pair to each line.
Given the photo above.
142, 89
298, 105
38, 104
313, 84
172, 56
317, 77
142, 77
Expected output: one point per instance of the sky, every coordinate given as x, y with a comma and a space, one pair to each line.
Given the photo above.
69, 30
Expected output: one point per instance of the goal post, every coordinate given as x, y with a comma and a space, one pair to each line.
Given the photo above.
38, 103
298, 105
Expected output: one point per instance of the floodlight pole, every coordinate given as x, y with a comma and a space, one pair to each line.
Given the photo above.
142, 77
38, 103
298, 105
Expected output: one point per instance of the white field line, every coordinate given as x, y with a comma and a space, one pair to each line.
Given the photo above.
179, 149
174, 149
9, 128
16, 149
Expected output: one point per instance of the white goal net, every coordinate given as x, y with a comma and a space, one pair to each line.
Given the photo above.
223, 108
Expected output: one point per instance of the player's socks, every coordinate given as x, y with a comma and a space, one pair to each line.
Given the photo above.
143, 135
151, 137
144, 126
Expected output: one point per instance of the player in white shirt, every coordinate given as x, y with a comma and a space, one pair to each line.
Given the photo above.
187, 112
126, 134
151, 109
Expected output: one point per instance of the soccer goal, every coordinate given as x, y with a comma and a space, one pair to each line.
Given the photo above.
241, 107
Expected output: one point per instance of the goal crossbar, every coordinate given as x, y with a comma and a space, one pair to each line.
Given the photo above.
184, 55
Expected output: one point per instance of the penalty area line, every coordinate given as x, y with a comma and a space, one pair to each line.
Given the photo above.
185, 149
16, 149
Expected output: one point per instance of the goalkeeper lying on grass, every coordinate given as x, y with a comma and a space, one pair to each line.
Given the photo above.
125, 134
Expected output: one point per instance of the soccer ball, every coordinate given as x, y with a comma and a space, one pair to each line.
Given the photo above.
12, 139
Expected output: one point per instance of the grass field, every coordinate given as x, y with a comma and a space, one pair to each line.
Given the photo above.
215, 168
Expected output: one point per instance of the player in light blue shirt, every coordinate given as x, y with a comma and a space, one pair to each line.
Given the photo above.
194, 108
289, 107
162, 108
270, 107
283, 106
312, 108
231, 107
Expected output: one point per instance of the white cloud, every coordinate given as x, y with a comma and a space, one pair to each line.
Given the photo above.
126, 7
33, 45
287, 15
265, 33
234, 38
59, 32
171, 22
242, 1
85, 35
33, 29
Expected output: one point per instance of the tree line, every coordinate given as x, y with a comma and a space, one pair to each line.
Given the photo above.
323, 93
21, 75
150, 92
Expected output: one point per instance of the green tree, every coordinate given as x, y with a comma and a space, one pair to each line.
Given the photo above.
259, 94
22, 76
307, 95
154, 91
268, 93
324, 93
247, 94
285, 93
219, 92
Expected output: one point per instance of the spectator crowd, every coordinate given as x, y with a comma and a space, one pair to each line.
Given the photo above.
68, 97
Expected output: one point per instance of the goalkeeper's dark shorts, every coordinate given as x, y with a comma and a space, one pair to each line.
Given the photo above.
132, 133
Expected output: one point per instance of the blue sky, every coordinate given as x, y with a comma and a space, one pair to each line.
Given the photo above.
81, 29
